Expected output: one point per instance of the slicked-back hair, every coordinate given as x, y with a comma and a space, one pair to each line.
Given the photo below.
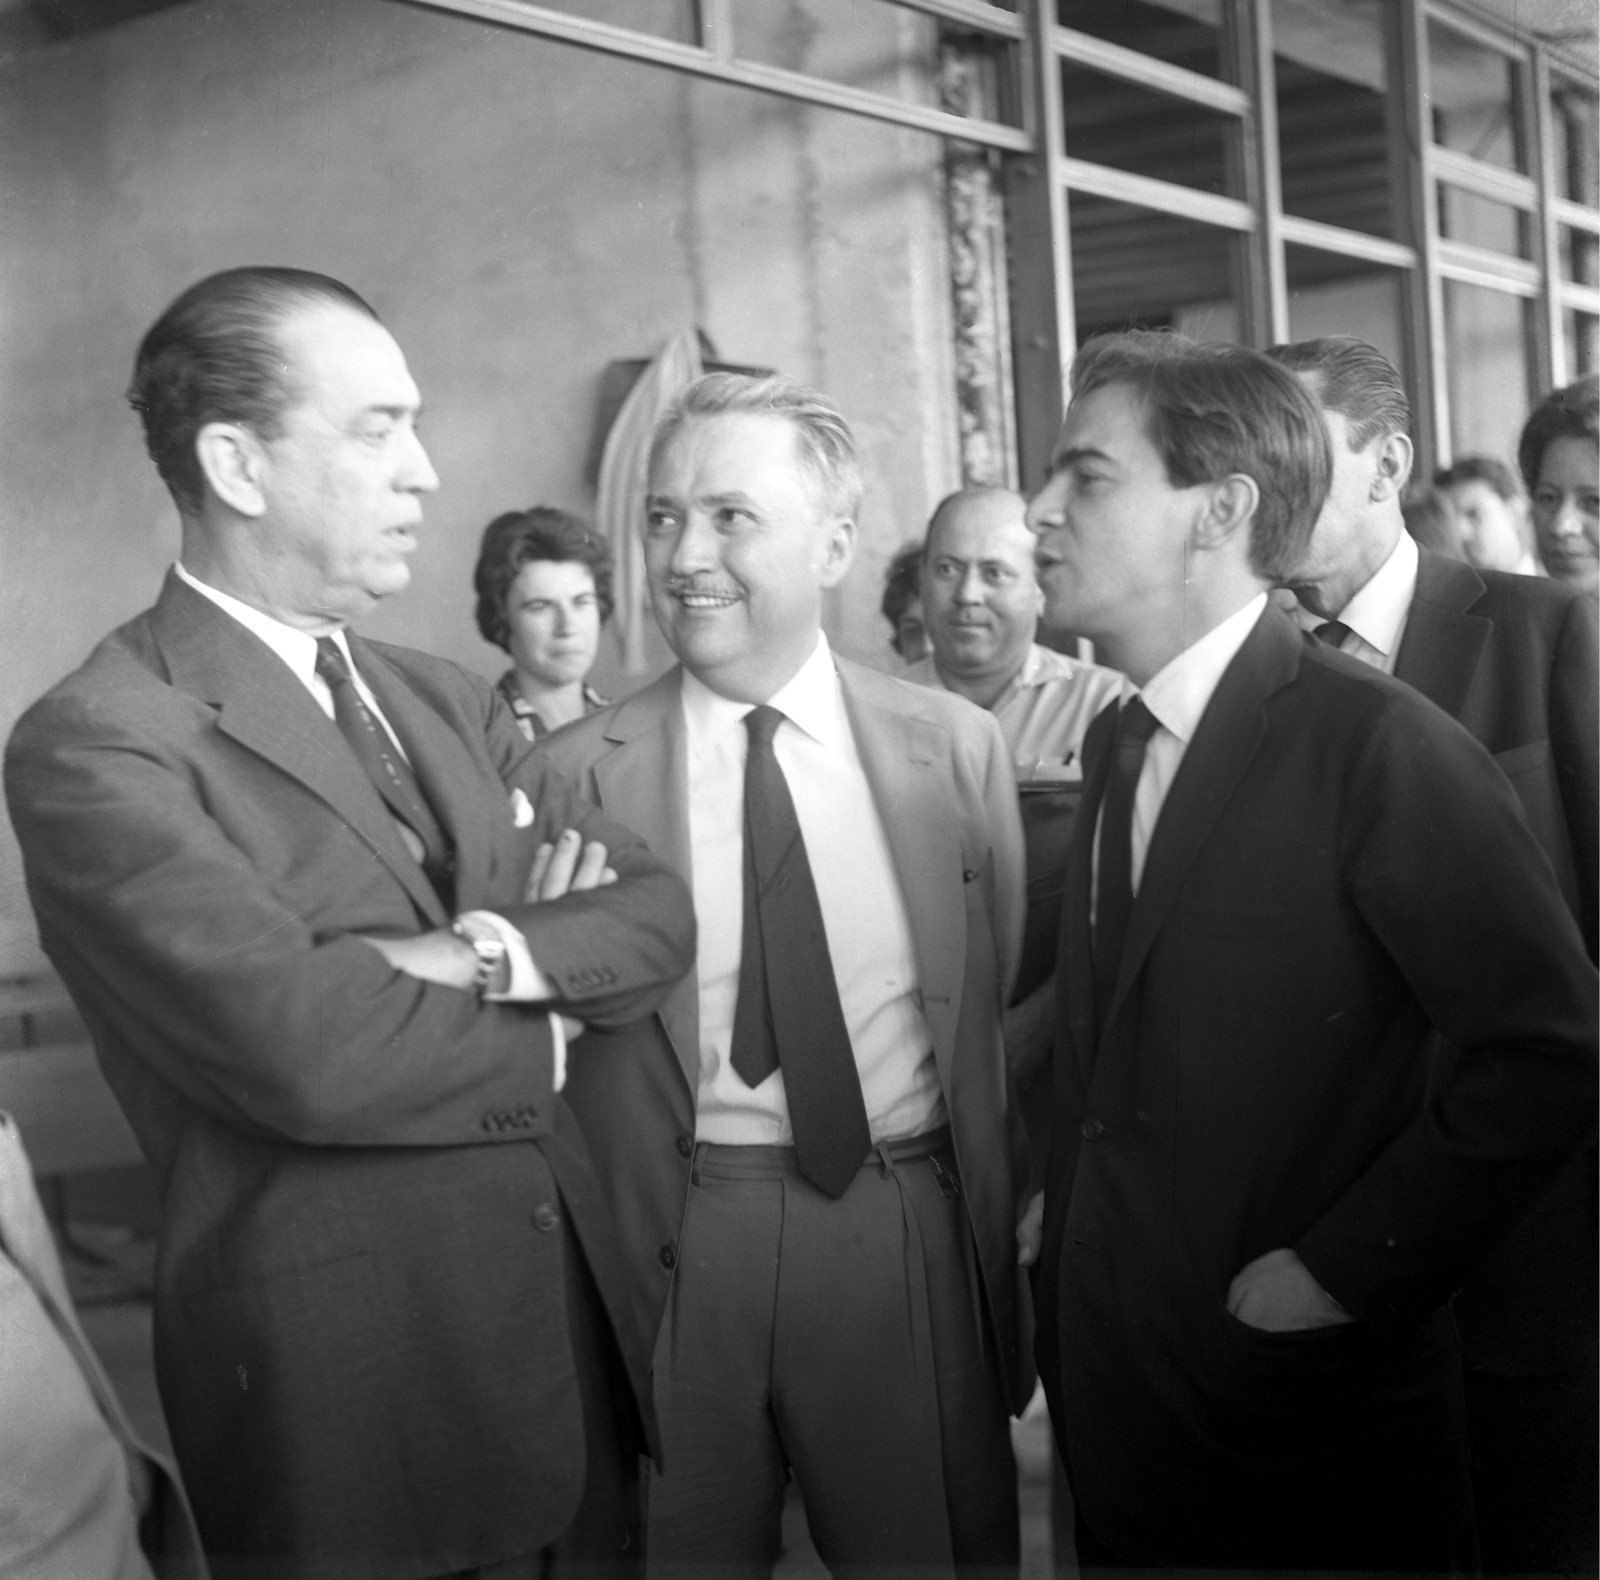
1570, 413
1354, 379
215, 355
1480, 469
519, 537
1212, 410
827, 448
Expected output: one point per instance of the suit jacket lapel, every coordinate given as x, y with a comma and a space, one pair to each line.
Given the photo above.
900, 754
1443, 644
644, 783
1229, 735
265, 708
1075, 964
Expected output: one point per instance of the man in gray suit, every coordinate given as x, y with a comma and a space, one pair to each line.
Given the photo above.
810, 1151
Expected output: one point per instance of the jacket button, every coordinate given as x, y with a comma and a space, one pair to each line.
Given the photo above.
669, 1258
685, 1146
545, 1217
1092, 1129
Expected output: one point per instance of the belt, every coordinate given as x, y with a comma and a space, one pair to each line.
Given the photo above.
720, 1161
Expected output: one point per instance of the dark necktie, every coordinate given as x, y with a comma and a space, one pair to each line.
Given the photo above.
1114, 885
1333, 632
788, 1015
389, 772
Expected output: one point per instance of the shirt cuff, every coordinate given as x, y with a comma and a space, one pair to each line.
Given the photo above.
526, 982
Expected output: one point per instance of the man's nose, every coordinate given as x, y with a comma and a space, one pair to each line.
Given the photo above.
696, 545
418, 475
970, 588
1043, 510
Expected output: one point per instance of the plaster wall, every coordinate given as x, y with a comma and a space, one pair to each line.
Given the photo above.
519, 212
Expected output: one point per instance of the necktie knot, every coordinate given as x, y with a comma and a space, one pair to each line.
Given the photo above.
330, 661
762, 724
1135, 724
1333, 632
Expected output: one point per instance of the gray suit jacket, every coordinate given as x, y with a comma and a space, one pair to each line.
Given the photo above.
943, 784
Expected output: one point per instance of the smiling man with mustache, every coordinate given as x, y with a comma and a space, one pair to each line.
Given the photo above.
811, 1151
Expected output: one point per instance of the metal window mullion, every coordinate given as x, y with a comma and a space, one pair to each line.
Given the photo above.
715, 22
1347, 243
689, 58
1582, 298
1550, 352
1469, 265
1566, 212
1480, 31
1263, 288
1486, 180
1167, 197
975, 14
1411, 151
1145, 71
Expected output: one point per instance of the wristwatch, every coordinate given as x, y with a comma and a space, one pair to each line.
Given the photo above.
494, 969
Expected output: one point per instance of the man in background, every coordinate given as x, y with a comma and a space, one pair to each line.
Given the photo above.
324, 916
1513, 658
1493, 513
811, 1151
981, 602
1262, 1187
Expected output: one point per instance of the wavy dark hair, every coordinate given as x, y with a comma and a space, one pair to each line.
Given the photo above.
1570, 413
1211, 410
215, 356
520, 536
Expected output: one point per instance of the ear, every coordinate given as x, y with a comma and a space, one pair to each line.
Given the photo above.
838, 551
1231, 506
1394, 458
234, 464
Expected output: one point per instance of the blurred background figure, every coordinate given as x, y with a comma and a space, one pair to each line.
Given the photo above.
544, 590
1435, 523
1559, 455
902, 604
1492, 510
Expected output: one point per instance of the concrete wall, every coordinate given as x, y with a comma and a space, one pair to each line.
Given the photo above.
520, 213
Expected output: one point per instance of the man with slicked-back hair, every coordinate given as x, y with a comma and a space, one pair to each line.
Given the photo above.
1514, 659
332, 929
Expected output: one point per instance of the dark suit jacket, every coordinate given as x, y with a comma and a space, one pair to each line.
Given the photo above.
943, 783
360, 1322
1337, 868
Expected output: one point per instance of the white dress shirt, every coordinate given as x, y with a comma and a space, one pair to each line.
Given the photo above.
298, 649
863, 911
1178, 695
1377, 614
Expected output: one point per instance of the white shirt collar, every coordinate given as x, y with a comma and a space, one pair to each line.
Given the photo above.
1377, 613
809, 699
1179, 693
298, 649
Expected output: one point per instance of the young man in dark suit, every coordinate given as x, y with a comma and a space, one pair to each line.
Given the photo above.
1287, 870
324, 916
1514, 659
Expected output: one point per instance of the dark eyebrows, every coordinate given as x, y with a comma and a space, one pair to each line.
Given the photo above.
1062, 459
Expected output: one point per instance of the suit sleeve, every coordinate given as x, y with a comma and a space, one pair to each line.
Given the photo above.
1575, 744
1443, 870
1004, 822
612, 954
251, 997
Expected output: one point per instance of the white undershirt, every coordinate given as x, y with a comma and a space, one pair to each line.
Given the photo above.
1178, 695
298, 650
863, 910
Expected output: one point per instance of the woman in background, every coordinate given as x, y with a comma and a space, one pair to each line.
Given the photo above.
544, 590
1559, 456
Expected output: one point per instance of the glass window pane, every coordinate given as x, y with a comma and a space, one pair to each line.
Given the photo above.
1488, 338
1184, 33
1332, 295
1111, 122
1577, 144
1133, 268
1474, 99
1332, 76
1482, 222
1581, 330
1580, 256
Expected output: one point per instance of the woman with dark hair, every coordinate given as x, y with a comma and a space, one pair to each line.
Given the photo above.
1559, 456
544, 590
